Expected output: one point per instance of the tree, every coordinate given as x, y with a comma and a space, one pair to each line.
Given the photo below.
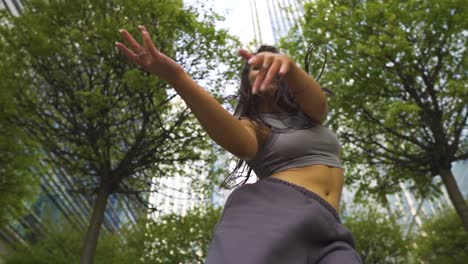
441, 239
378, 236
110, 126
398, 70
62, 243
17, 156
181, 238
173, 239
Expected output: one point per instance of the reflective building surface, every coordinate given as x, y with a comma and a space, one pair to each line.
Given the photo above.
13, 6
272, 19
413, 210
58, 202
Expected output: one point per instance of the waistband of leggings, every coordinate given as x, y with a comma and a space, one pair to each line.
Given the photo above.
309, 194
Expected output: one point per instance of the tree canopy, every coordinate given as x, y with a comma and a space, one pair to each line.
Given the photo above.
378, 235
398, 70
441, 239
172, 239
18, 157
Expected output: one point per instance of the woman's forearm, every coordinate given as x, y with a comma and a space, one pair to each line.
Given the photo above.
221, 126
307, 93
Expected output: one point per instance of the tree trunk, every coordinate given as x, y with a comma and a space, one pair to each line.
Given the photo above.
455, 196
92, 235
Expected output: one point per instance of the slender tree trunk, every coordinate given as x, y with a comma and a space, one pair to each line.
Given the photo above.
92, 235
455, 196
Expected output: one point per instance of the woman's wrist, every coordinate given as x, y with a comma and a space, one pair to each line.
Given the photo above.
177, 78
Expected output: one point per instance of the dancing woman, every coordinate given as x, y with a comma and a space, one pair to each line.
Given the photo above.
289, 216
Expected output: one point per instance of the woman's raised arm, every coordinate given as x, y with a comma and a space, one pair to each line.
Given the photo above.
225, 129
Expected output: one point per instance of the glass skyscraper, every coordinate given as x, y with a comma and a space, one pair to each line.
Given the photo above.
13, 6
413, 209
58, 202
272, 19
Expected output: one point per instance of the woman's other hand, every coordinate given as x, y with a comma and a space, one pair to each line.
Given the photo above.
270, 64
148, 57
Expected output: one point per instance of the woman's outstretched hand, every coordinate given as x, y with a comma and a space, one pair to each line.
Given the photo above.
148, 57
270, 65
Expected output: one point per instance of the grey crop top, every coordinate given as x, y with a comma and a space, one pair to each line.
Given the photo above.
306, 143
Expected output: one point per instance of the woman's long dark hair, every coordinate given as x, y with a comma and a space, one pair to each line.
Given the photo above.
247, 107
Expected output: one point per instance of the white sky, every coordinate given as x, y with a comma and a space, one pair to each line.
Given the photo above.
238, 18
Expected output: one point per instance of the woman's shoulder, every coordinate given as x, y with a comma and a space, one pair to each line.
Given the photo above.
260, 129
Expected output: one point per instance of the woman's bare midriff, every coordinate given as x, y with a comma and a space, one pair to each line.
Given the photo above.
323, 180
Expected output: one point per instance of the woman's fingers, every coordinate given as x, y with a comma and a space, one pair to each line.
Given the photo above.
245, 54
265, 62
148, 58
257, 59
258, 80
147, 42
137, 48
130, 54
272, 71
136, 52
285, 67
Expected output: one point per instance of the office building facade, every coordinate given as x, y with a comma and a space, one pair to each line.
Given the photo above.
13, 6
414, 210
272, 19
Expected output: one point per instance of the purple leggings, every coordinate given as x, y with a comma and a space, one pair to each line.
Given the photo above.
276, 222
